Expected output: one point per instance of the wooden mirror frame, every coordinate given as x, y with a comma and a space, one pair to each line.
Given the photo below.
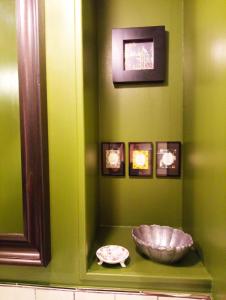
33, 246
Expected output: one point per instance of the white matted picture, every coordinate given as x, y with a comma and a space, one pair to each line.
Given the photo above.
168, 157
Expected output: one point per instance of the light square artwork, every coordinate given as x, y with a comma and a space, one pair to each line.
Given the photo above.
139, 55
140, 159
113, 159
168, 159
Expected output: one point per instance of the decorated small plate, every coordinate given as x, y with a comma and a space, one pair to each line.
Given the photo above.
112, 254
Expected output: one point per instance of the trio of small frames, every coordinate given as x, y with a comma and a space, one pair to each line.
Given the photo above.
168, 159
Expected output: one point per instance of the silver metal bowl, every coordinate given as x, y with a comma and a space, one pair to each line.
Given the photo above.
163, 244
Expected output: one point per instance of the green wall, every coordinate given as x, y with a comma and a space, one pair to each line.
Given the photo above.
140, 113
204, 133
132, 114
73, 130
11, 218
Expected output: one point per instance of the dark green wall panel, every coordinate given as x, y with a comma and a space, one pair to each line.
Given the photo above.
91, 115
140, 113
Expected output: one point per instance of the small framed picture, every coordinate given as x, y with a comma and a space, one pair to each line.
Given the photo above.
140, 159
113, 159
139, 54
168, 159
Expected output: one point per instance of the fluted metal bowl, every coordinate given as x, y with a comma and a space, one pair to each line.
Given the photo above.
163, 244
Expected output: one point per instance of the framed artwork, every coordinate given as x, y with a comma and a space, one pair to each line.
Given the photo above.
140, 159
168, 159
113, 159
139, 54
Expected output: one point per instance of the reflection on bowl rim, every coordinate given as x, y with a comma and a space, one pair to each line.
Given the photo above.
141, 242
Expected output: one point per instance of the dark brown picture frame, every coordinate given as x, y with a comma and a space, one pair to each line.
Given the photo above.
33, 246
121, 36
107, 149
168, 159
147, 149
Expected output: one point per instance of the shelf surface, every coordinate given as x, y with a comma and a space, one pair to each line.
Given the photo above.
188, 275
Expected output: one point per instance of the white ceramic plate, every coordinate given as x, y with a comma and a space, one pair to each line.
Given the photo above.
112, 254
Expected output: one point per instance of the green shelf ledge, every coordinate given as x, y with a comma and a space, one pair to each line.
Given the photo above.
189, 275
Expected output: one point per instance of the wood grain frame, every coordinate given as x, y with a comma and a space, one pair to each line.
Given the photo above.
33, 246
120, 36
